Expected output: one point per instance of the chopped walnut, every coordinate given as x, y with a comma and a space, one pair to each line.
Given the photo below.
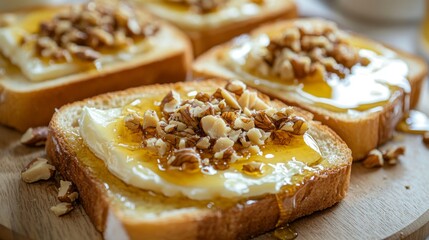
35, 137
38, 169
374, 159
252, 168
186, 159
304, 49
391, 155
214, 127
133, 122
82, 31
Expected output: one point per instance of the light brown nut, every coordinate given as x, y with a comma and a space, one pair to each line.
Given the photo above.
150, 119
301, 66
295, 124
391, 156
66, 192
425, 139
203, 97
186, 159
203, 143
230, 99
229, 117
104, 36
222, 144
83, 53
253, 168
186, 117
36, 170
170, 102
263, 122
35, 137
237, 87
373, 159
133, 122
62, 208
214, 127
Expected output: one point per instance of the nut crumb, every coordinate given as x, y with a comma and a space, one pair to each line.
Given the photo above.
374, 159
62, 208
407, 187
36, 170
35, 137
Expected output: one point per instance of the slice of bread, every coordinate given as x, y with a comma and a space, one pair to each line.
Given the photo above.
26, 103
362, 132
123, 211
209, 29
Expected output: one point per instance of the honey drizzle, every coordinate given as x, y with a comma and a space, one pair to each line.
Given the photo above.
414, 122
387, 77
285, 233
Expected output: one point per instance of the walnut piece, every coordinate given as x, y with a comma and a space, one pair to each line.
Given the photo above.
66, 192
391, 155
237, 87
214, 127
252, 168
62, 208
186, 159
36, 170
373, 159
83, 30
35, 137
133, 122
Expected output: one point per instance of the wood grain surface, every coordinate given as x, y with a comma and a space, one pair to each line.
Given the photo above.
390, 202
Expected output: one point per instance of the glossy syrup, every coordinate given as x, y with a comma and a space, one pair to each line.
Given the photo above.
285, 233
366, 88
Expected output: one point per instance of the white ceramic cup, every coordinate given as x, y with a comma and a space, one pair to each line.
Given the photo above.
385, 10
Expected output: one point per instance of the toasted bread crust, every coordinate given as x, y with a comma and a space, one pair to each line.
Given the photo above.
238, 221
24, 108
362, 134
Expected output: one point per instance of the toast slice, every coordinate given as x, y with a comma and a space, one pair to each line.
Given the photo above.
32, 86
121, 210
362, 130
220, 25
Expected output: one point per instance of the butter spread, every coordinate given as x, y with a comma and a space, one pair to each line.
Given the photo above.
258, 169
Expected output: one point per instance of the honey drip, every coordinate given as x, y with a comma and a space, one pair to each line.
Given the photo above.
414, 122
285, 233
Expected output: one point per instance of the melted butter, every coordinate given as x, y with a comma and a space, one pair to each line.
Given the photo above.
366, 88
414, 122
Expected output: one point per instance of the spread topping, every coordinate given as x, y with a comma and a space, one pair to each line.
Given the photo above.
219, 142
325, 66
83, 30
212, 131
304, 49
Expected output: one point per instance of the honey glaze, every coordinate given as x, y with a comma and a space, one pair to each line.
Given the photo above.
414, 122
365, 88
285, 233
282, 165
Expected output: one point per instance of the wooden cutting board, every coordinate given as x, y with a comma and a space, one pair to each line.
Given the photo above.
390, 202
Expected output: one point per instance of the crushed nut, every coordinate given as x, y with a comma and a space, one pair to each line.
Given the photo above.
66, 192
305, 49
36, 170
218, 129
186, 159
82, 30
170, 102
62, 208
392, 155
237, 87
133, 122
252, 168
374, 159
35, 137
